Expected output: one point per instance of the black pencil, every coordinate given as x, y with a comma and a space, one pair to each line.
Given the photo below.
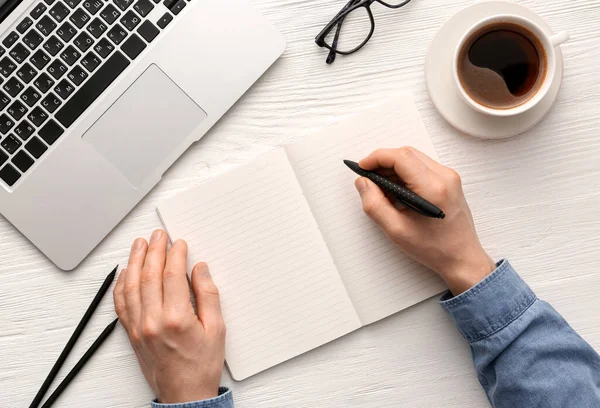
78, 330
88, 354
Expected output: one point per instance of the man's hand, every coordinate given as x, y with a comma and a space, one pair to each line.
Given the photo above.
180, 353
449, 246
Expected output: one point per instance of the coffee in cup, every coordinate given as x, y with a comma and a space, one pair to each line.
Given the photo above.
502, 65
505, 64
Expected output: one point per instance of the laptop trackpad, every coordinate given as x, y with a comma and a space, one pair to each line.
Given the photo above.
146, 124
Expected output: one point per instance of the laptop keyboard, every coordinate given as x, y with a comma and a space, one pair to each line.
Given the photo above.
58, 60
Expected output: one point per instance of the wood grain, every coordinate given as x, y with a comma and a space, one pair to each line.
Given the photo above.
535, 198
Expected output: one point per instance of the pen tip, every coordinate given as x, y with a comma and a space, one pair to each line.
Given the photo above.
113, 324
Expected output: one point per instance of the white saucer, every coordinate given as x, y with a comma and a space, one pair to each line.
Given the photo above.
443, 90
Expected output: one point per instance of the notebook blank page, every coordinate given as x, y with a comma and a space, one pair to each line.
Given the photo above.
280, 291
380, 279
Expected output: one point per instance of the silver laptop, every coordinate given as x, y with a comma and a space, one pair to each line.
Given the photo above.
99, 97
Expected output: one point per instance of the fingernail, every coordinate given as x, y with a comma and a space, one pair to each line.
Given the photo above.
202, 268
155, 236
138, 244
361, 185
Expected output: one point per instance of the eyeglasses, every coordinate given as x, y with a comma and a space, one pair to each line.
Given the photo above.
354, 26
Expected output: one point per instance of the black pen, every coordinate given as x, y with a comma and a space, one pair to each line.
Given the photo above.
403, 195
88, 354
73, 339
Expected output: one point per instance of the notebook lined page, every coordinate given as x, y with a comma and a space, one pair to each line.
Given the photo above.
280, 291
380, 279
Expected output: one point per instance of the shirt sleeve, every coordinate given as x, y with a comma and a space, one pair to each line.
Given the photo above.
223, 400
525, 353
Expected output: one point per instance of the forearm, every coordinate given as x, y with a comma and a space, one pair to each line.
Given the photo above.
223, 400
525, 353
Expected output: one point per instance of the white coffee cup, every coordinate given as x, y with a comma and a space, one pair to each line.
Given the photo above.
549, 42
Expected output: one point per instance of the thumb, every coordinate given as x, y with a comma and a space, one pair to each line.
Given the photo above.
207, 297
378, 207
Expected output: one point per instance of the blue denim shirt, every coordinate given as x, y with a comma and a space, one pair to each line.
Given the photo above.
525, 353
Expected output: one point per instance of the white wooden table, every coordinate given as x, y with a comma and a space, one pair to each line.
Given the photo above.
535, 197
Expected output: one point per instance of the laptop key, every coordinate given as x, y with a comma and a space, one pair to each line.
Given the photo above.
51, 132
130, 20
37, 116
148, 31
72, 3
97, 27
66, 31
133, 46
83, 41
26, 73
117, 34
57, 69
2, 51
38, 11
164, 20
24, 25
77, 75
51, 102
30, 97
92, 6
32, 39
169, 3
4, 100
23, 161
10, 39
13, 86
10, 144
3, 157
43, 82
19, 53
53, 45
39, 59
49, 2
9, 174
143, 7
46, 25
79, 18
6, 123
90, 61
123, 4
93, 87
64, 89
176, 9
104, 48
7, 66
24, 130
59, 12
17, 110
36, 147
110, 14
70, 55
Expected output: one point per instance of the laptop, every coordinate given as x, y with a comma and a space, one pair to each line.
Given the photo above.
98, 98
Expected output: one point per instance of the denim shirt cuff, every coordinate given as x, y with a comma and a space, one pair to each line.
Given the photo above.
223, 400
491, 305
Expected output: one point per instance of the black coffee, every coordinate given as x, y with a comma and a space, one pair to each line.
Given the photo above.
502, 65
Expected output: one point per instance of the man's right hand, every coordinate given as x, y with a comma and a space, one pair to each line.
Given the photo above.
450, 246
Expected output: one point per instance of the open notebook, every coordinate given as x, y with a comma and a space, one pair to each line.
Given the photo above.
297, 262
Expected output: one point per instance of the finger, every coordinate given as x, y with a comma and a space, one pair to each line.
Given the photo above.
429, 162
175, 283
119, 299
131, 287
151, 278
407, 165
377, 206
207, 297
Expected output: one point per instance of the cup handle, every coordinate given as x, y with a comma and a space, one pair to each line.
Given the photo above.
559, 38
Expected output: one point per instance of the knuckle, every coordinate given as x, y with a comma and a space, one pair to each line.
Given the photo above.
135, 337
120, 309
174, 322
370, 206
150, 330
149, 275
454, 177
406, 151
217, 328
441, 191
129, 289
169, 273
209, 288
